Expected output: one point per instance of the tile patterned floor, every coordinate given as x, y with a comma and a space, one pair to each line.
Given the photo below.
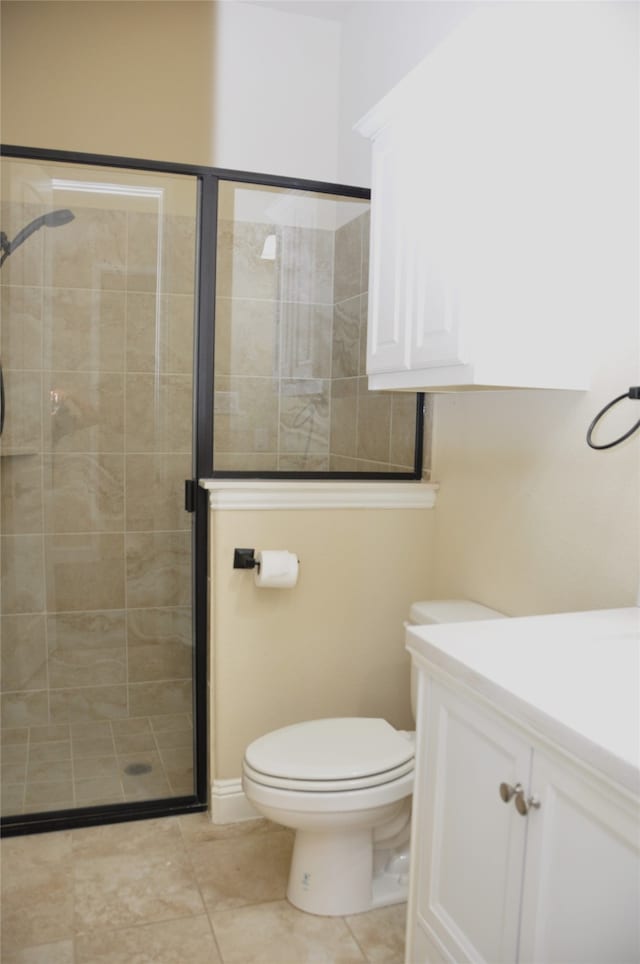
84, 764
173, 891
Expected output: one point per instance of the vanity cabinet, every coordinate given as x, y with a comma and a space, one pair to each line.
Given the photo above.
519, 852
481, 270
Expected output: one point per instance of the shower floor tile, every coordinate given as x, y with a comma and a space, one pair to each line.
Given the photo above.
61, 767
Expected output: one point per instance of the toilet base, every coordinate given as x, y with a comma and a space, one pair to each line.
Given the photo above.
336, 874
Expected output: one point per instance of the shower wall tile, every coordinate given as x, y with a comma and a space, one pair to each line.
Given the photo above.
23, 426
247, 334
365, 220
403, 428
23, 653
83, 330
142, 251
343, 463
158, 569
304, 415
364, 322
26, 708
76, 704
178, 254
155, 492
84, 493
344, 417
83, 412
303, 463
170, 696
159, 333
84, 572
168, 243
158, 413
160, 644
21, 494
348, 261
374, 424
21, 337
306, 263
245, 461
346, 339
86, 648
89, 252
241, 272
305, 333
22, 574
246, 415
145, 328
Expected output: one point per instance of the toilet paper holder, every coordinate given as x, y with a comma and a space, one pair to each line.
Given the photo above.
245, 559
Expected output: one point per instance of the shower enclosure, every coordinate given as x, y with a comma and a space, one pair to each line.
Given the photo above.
159, 324
97, 285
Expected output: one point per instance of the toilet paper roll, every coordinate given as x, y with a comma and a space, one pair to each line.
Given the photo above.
278, 569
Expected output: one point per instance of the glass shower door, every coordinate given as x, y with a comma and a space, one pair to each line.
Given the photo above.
97, 282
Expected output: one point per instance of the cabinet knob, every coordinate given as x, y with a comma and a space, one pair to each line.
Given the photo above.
524, 805
507, 791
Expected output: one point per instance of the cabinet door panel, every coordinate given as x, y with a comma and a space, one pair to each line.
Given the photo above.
472, 843
581, 899
387, 336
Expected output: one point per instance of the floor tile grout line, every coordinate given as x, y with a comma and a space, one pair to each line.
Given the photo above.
194, 874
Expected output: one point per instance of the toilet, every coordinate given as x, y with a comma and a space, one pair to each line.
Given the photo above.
345, 785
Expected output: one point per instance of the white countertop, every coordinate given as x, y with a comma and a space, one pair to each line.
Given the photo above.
573, 677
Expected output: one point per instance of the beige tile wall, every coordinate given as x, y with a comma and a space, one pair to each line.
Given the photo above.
370, 431
291, 390
95, 545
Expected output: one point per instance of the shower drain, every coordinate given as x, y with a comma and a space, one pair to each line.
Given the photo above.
135, 769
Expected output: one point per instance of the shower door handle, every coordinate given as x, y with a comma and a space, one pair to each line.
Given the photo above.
189, 495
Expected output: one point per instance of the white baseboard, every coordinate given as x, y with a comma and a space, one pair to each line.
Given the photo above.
229, 803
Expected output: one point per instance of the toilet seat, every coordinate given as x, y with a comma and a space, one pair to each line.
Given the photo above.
328, 786
330, 755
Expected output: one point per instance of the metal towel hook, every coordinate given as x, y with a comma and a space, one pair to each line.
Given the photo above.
634, 392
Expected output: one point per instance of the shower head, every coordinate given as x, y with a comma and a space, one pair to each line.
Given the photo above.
53, 219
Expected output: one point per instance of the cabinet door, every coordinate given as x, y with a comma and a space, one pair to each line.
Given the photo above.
581, 898
469, 845
387, 333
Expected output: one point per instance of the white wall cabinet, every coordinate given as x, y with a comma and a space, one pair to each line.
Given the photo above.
483, 166
558, 884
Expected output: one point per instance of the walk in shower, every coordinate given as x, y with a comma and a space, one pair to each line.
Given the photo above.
97, 295
159, 324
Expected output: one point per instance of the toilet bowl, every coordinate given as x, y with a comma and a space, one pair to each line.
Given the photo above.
344, 785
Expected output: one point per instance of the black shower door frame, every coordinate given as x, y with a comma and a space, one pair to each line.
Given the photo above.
196, 498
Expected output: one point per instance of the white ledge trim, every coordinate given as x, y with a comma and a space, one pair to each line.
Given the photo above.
273, 494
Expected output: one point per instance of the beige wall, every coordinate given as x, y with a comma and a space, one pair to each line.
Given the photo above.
173, 80
333, 645
127, 78
529, 519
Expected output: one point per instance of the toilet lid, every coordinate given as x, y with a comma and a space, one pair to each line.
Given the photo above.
346, 749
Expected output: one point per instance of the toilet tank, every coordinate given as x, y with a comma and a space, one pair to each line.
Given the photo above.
433, 611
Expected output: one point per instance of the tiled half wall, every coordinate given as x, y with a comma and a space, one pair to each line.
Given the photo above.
290, 358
